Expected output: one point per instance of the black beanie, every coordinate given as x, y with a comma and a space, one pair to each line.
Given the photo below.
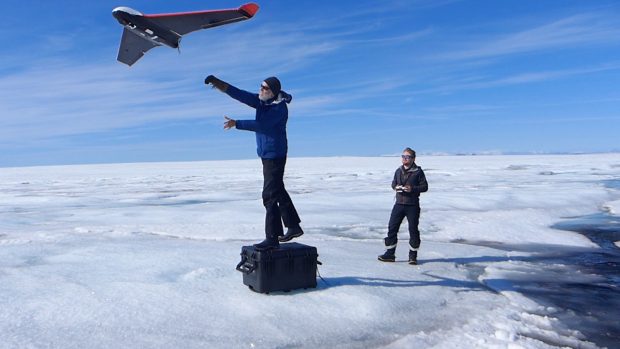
274, 85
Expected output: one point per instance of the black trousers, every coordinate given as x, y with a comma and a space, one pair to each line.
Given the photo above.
278, 204
399, 212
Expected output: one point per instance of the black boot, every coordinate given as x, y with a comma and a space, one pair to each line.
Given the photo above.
291, 233
267, 244
388, 256
413, 257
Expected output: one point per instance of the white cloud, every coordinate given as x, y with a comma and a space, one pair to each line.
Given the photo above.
56, 99
573, 31
482, 82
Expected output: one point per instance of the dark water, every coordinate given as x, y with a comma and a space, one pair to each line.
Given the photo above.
592, 308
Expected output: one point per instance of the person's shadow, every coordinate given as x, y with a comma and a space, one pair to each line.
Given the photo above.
330, 282
539, 252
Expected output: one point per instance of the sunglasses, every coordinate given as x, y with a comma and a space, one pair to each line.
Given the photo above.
263, 87
406, 157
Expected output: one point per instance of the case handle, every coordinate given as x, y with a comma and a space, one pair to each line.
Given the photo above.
245, 267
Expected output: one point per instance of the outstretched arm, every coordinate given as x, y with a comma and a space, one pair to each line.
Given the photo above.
248, 125
216, 83
242, 96
229, 123
245, 97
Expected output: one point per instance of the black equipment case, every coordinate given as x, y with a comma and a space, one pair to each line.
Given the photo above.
289, 267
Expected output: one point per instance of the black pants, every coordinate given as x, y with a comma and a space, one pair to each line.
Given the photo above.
278, 203
399, 212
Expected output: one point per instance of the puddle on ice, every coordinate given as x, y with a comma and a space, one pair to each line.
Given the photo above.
581, 285
596, 304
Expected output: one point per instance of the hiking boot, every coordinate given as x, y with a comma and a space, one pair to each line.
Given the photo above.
388, 256
413, 257
267, 244
291, 233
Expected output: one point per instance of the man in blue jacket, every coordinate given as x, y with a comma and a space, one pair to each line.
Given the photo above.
271, 146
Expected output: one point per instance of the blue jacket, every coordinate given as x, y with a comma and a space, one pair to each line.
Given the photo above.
269, 124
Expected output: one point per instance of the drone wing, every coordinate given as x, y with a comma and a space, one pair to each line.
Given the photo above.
187, 22
133, 47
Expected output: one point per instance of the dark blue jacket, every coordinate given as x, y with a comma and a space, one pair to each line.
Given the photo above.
413, 177
269, 124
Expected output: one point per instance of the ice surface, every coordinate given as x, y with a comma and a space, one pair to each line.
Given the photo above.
143, 255
613, 207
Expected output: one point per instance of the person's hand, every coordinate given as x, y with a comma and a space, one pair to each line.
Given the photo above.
209, 79
216, 83
229, 123
407, 188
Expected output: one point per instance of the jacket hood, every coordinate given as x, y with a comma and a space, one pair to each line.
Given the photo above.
282, 97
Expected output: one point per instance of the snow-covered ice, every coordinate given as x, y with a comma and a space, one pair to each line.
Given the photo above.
143, 255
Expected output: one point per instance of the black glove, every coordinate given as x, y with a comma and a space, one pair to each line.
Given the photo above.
217, 83
209, 79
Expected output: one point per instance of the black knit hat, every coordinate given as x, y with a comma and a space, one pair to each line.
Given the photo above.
274, 85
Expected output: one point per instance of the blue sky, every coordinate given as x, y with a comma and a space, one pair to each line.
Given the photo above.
367, 78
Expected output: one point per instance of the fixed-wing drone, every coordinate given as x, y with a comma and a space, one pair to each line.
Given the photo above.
143, 32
